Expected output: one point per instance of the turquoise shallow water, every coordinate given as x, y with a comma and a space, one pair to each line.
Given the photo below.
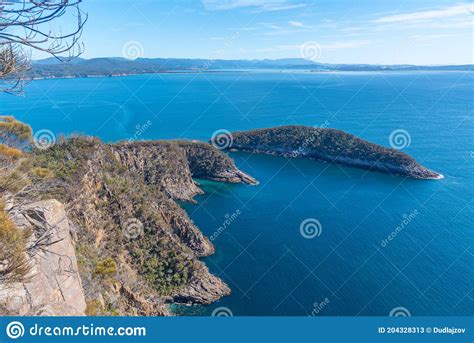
271, 268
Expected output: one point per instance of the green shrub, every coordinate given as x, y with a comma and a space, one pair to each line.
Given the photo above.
106, 268
42, 173
14, 133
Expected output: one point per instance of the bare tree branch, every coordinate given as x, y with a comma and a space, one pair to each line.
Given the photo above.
26, 24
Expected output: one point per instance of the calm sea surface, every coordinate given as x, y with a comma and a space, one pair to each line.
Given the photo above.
270, 266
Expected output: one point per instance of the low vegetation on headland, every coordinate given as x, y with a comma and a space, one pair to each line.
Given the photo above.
112, 211
332, 146
136, 248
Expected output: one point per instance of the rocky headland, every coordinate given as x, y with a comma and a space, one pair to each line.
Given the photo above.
88, 228
114, 240
332, 146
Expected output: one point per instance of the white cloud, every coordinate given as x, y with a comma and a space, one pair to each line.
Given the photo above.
271, 26
425, 38
282, 7
345, 45
447, 12
296, 23
259, 5
351, 44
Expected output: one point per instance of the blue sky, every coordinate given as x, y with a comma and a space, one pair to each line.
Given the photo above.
384, 32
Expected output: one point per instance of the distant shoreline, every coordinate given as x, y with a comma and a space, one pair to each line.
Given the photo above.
52, 68
215, 71
117, 75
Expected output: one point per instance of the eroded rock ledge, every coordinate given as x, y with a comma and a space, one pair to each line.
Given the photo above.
171, 165
330, 145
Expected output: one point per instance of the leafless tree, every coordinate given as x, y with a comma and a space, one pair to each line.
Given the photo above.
28, 24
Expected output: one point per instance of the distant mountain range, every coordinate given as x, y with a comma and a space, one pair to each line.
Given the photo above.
115, 66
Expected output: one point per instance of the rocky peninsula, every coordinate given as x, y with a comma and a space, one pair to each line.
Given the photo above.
329, 145
88, 228
104, 234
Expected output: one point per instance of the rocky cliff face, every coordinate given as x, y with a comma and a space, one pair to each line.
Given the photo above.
162, 165
54, 285
171, 165
332, 146
206, 162
136, 247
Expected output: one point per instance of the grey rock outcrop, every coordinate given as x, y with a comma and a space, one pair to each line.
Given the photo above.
204, 288
54, 285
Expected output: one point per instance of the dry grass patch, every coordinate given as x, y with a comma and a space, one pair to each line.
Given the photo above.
14, 261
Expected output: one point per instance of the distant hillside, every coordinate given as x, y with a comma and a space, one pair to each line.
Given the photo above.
112, 66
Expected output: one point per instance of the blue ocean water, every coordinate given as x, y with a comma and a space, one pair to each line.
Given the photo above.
270, 266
